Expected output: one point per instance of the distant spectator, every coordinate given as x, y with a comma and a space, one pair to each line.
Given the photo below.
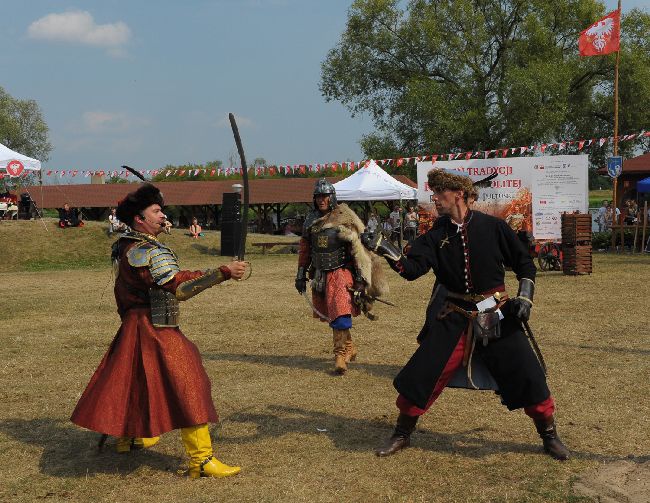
288, 230
114, 224
387, 228
373, 222
410, 224
195, 229
69, 217
395, 219
601, 219
611, 216
631, 212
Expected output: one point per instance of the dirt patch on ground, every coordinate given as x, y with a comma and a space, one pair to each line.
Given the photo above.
620, 481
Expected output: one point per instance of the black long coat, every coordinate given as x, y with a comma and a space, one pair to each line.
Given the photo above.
472, 259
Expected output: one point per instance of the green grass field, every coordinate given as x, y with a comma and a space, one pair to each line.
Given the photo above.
299, 433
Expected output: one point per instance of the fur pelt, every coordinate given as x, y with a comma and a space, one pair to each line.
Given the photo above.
349, 227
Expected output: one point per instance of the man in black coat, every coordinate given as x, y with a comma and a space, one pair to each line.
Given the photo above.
473, 335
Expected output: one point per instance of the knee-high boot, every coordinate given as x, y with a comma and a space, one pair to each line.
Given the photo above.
127, 444
401, 437
340, 366
350, 349
553, 446
198, 446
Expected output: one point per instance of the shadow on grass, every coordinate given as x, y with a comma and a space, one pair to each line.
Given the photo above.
354, 435
316, 364
206, 250
350, 434
72, 452
604, 349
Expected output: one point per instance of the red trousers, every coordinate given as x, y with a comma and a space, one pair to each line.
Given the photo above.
542, 410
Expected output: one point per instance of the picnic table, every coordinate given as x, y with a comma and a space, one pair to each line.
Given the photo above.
267, 245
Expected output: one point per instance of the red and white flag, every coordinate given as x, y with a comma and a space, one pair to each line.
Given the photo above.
602, 37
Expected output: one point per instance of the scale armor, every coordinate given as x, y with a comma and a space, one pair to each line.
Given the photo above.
163, 266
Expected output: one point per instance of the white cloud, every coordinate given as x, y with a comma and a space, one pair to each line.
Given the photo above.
99, 122
80, 27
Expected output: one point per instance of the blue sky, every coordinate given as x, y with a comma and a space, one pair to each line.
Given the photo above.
148, 83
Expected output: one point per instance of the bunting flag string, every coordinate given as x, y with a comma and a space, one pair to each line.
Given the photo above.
349, 166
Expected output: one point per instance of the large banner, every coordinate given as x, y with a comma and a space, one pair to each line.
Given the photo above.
530, 193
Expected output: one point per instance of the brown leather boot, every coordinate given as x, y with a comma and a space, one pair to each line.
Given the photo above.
340, 365
350, 350
553, 446
401, 437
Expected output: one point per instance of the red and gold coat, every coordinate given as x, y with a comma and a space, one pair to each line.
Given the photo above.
151, 380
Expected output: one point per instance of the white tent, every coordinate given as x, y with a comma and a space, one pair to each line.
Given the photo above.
371, 183
7, 155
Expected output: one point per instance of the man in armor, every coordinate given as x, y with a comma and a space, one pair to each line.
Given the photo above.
152, 380
473, 335
340, 268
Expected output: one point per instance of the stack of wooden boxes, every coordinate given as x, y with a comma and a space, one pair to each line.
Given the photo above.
576, 243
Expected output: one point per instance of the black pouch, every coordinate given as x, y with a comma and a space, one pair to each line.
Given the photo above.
486, 327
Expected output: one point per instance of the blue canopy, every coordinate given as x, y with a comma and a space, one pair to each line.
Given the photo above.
643, 185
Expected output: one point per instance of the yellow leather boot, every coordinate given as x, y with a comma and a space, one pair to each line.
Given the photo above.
127, 444
340, 362
199, 448
350, 349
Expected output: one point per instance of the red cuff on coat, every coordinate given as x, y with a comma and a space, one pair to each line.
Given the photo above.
225, 271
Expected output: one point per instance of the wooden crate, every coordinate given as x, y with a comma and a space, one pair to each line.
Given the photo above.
576, 259
576, 228
576, 243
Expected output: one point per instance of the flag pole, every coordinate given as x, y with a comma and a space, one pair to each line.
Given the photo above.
615, 189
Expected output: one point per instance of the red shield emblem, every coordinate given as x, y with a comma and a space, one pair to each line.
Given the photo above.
15, 168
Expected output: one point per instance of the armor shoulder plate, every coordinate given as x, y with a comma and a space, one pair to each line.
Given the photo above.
138, 255
162, 262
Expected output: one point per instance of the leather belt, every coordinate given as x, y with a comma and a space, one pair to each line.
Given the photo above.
477, 297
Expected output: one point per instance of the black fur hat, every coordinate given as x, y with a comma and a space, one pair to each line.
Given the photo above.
136, 202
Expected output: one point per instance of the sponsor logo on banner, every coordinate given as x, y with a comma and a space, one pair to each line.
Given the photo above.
15, 168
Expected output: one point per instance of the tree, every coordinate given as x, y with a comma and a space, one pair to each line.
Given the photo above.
439, 77
23, 128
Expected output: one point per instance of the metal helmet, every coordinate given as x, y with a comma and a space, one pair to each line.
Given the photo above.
325, 188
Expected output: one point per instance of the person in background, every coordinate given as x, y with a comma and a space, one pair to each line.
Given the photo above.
373, 222
410, 224
601, 219
395, 219
631, 212
69, 217
195, 229
340, 269
114, 224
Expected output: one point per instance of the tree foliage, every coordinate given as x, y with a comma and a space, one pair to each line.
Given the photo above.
438, 77
23, 128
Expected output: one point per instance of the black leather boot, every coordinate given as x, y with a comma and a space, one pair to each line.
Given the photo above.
401, 437
553, 446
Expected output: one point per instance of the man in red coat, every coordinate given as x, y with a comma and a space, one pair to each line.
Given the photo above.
152, 380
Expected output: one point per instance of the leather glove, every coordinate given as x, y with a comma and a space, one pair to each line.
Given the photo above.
523, 302
301, 281
368, 239
377, 243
